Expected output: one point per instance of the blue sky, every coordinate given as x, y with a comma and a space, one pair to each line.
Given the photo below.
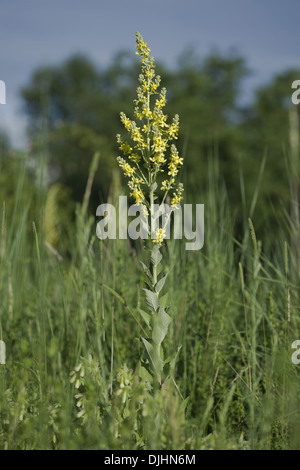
36, 32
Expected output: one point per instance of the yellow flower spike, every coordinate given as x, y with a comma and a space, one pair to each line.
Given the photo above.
136, 181
176, 200
177, 196
128, 170
172, 170
142, 49
175, 161
151, 137
173, 131
138, 195
161, 101
145, 211
164, 185
126, 121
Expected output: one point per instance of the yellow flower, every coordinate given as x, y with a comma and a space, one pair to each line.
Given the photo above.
125, 148
138, 195
126, 121
159, 236
159, 118
172, 169
173, 131
175, 161
165, 185
159, 144
146, 112
145, 211
134, 157
136, 136
161, 102
174, 127
128, 170
142, 49
145, 87
177, 196
136, 181
159, 159
176, 200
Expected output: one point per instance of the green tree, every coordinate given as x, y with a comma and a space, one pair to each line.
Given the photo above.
265, 130
68, 112
79, 108
206, 94
74, 111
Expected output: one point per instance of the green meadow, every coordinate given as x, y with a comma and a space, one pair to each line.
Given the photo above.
91, 361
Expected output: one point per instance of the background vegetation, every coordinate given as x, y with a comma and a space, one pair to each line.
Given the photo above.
69, 303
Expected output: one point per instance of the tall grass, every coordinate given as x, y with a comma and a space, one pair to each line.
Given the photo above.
73, 309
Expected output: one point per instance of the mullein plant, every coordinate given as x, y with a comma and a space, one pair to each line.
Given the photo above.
151, 163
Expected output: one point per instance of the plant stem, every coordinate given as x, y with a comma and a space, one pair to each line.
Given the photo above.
151, 216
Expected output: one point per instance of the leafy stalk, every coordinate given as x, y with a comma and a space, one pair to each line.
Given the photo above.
148, 146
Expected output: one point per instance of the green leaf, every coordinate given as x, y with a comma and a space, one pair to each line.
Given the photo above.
158, 364
164, 300
146, 317
159, 269
155, 359
174, 360
152, 300
147, 273
145, 268
149, 349
161, 323
183, 405
144, 375
160, 284
156, 256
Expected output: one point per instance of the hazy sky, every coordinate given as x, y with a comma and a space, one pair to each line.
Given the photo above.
36, 32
